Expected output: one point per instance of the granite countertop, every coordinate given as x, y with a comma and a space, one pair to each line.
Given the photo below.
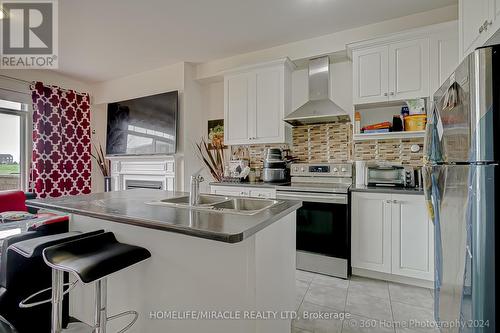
130, 207
248, 184
386, 189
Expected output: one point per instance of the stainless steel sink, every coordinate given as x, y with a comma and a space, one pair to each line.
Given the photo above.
241, 206
202, 201
245, 204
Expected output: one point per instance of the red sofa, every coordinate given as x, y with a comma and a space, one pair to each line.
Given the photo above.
16, 272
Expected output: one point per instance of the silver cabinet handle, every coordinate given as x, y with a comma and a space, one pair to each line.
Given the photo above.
391, 93
481, 29
486, 24
395, 201
385, 94
388, 201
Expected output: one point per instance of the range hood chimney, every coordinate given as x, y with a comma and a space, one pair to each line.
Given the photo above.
319, 108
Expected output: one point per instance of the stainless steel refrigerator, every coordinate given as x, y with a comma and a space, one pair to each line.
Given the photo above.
461, 180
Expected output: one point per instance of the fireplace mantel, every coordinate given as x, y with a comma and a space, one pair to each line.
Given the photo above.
142, 168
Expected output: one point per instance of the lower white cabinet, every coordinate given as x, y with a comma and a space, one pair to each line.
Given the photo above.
242, 191
391, 233
412, 238
370, 231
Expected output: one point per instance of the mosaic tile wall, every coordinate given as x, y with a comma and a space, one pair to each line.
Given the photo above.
323, 143
255, 152
395, 151
333, 143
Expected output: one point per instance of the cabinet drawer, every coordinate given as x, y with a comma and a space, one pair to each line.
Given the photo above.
240, 191
263, 193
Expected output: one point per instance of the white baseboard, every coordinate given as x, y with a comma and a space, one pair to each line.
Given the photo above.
392, 278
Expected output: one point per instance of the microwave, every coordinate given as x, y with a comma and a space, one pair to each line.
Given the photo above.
394, 175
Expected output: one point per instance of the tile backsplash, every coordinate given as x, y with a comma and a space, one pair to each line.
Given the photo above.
255, 153
396, 151
323, 143
333, 143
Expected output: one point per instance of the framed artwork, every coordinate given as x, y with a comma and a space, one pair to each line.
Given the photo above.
216, 133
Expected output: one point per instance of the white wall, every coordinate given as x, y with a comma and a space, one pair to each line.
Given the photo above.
329, 43
48, 77
193, 124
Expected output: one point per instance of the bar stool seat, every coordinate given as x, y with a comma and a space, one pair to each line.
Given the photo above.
93, 258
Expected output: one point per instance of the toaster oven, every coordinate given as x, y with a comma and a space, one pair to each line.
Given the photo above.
394, 175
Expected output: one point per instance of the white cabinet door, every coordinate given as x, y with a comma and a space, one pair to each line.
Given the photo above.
371, 231
444, 56
409, 69
370, 75
267, 124
265, 193
255, 102
239, 107
232, 191
473, 15
412, 238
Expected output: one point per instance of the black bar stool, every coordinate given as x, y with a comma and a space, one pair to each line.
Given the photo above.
6, 327
31, 249
91, 259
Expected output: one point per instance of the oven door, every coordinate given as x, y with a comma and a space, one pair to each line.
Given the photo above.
322, 223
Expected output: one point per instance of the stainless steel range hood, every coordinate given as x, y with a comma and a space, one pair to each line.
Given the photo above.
319, 108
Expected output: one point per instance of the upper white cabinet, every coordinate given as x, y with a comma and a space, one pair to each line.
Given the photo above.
403, 66
370, 75
239, 107
444, 55
479, 20
476, 18
392, 234
409, 69
391, 72
256, 99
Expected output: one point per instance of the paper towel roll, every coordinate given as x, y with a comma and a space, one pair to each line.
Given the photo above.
360, 172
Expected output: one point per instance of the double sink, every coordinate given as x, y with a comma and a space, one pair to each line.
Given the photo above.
221, 204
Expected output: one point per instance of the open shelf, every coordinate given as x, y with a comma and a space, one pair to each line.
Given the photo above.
389, 135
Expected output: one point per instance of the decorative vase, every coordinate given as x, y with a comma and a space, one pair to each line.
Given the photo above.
107, 184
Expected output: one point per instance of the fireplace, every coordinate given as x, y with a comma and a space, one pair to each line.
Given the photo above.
150, 184
152, 172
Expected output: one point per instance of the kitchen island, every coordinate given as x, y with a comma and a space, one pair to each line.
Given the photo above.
218, 265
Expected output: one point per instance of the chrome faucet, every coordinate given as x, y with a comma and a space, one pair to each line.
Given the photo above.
194, 194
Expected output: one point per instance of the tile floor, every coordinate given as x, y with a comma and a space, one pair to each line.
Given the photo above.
369, 305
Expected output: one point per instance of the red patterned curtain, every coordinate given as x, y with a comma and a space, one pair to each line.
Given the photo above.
61, 163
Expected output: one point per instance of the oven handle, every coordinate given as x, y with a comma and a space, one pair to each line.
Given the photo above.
325, 198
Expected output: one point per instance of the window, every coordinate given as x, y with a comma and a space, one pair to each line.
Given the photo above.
13, 142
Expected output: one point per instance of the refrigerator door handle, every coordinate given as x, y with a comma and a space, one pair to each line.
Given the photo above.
469, 253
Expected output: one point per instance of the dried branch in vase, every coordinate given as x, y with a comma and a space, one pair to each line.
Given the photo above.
212, 158
99, 157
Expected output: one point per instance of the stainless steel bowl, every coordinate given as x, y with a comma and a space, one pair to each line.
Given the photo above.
273, 175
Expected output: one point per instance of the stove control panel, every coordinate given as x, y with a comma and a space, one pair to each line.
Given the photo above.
321, 170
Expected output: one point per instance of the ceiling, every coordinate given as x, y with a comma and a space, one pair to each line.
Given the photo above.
106, 39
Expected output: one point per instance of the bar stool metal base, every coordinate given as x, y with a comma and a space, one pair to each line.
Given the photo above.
101, 312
